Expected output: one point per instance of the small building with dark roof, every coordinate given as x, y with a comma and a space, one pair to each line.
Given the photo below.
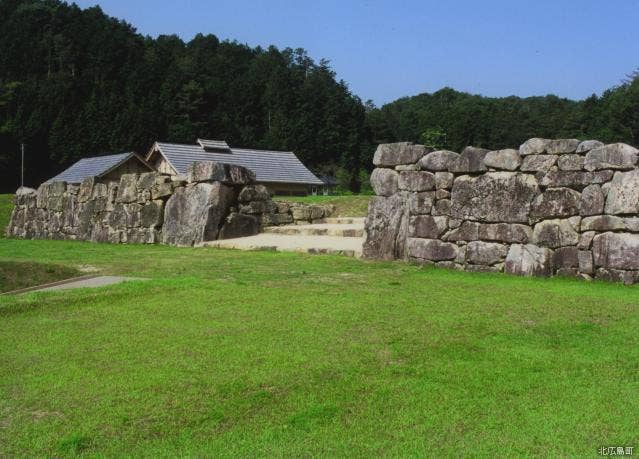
280, 171
106, 168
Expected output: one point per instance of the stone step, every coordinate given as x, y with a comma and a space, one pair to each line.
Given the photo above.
321, 229
344, 220
349, 246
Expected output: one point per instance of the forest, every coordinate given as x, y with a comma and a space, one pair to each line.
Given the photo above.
75, 82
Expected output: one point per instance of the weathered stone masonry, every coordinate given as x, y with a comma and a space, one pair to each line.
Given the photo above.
551, 207
215, 201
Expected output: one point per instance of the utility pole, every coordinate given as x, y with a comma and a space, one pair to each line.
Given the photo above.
22, 166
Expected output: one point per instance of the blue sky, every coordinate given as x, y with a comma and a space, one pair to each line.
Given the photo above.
388, 49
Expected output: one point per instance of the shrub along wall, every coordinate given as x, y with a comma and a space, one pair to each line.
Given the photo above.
550, 207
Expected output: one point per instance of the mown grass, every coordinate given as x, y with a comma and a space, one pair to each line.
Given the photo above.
6, 205
228, 353
345, 206
18, 275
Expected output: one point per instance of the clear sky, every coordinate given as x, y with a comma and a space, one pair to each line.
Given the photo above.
388, 49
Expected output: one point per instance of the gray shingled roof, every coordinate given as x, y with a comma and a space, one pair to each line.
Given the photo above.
269, 166
91, 167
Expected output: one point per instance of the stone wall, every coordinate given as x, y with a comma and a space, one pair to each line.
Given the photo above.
214, 201
141, 208
287, 213
550, 207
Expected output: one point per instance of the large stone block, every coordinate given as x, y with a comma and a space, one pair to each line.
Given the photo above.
574, 179
505, 232
132, 212
386, 228
393, 154
559, 146
431, 249
276, 219
194, 214
566, 257
152, 214
613, 156
529, 260
317, 212
439, 160
210, 171
161, 190
572, 162
555, 233
616, 250
385, 182
588, 145
617, 275
416, 181
534, 146
427, 226
556, 202
254, 193
299, 212
147, 180
494, 197
469, 161
127, 189
118, 217
467, 231
623, 194
485, 253
602, 223
86, 189
585, 239
441, 207
444, 180
584, 259
592, 201
239, 225
538, 163
507, 159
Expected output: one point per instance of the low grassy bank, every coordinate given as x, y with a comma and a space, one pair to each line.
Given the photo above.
18, 275
345, 206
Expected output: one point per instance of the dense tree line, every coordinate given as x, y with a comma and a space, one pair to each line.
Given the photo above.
76, 82
452, 119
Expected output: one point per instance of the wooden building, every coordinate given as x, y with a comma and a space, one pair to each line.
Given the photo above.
280, 171
106, 168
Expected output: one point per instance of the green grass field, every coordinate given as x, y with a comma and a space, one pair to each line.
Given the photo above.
229, 353
345, 206
6, 204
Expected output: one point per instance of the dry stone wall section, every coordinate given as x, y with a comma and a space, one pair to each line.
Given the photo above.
562, 206
214, 201
140, 208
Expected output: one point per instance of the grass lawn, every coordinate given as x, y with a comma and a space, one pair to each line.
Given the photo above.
229, 353
345, 206
6, 205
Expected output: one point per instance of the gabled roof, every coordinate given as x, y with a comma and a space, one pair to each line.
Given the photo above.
96, 166
269, 166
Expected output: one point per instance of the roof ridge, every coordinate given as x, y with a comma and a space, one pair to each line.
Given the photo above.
260, 150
